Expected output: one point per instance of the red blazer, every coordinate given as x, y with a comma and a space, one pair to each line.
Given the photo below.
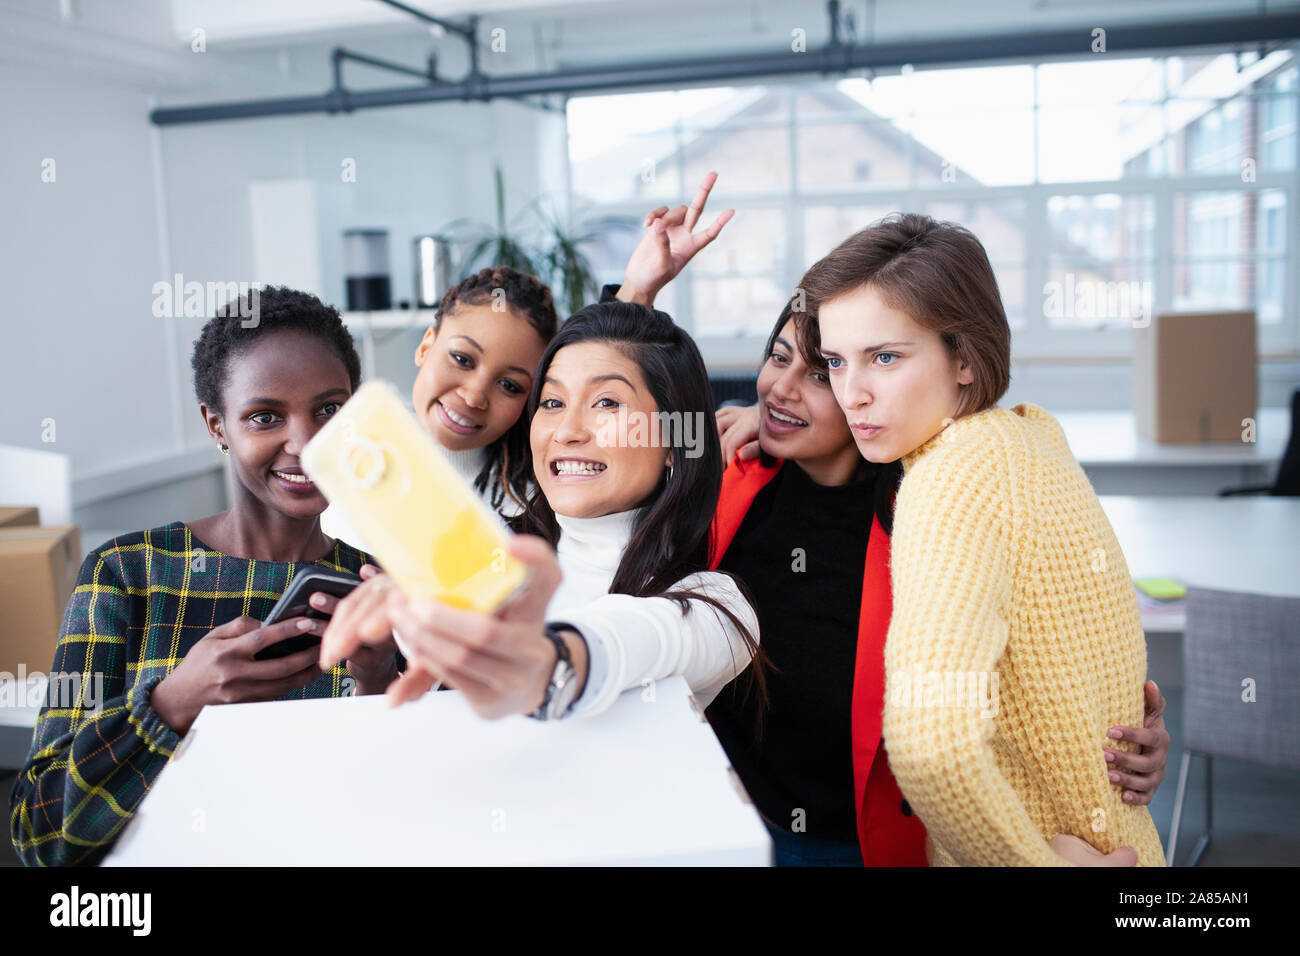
889, 832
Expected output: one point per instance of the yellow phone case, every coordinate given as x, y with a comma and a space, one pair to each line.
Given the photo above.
424, 523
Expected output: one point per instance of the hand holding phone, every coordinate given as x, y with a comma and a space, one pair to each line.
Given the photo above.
223, 668
434, 535
372, 660
502, 662
296, 602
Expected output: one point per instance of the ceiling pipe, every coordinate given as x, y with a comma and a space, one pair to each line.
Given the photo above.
466, 30
342, 96
833, 58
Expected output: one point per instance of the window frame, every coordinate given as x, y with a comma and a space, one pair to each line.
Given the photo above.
1037, 341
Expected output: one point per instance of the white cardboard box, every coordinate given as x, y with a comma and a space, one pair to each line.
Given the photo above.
350, 782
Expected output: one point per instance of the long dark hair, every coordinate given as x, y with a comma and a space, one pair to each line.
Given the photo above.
672, 535
507, 467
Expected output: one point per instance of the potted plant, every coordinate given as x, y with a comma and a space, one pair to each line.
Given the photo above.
537, 242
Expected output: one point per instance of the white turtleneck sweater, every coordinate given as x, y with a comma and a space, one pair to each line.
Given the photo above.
633, 640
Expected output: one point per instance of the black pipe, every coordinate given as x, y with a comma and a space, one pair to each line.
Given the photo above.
342, 54
461, 29
474, 80
339, 94
1126, 40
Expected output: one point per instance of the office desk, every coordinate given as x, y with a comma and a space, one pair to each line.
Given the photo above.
1250, 543
348, 781
1118, 461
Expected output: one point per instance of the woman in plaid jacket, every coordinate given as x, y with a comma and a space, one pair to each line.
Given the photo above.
165, 621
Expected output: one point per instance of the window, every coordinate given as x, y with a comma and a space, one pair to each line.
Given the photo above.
1100, 260
1102, 189
1234, 253
1277, 127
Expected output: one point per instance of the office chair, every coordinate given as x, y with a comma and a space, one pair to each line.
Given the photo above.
1287, 481
1231, 637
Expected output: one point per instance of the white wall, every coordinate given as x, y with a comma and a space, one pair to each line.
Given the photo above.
133, 204
79, 256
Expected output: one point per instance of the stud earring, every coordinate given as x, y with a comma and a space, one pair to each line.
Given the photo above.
225, 449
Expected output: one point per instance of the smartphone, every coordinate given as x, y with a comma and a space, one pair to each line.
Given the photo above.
424, 523
294, 603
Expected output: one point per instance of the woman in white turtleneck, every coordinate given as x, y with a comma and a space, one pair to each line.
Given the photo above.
636, 639
619, 593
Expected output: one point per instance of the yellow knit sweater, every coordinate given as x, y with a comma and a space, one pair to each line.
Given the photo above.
1014, 646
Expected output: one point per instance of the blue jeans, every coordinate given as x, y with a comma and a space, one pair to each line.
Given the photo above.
795, 849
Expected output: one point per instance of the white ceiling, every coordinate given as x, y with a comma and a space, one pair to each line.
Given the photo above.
257, 21
281, 46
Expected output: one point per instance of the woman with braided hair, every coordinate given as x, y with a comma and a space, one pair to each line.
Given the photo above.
478, 358
476, 364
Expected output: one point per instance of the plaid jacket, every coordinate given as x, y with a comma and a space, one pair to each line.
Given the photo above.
141, 602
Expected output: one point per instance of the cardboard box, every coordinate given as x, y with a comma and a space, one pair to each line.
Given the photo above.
1195, 376
19, 517
38, 570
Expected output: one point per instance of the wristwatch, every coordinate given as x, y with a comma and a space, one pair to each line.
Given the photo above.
563, 686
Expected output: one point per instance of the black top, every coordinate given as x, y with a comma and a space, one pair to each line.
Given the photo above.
800, 551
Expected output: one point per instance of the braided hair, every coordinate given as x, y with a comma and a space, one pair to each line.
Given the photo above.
508, 468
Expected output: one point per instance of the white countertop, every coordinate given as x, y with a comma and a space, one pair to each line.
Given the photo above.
1111, 439
1247, 543
348, 781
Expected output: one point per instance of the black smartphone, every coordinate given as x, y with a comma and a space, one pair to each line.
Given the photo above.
293, 603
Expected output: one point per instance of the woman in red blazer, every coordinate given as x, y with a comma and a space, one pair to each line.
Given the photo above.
841, 805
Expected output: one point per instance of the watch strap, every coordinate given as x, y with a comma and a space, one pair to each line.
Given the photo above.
562, 672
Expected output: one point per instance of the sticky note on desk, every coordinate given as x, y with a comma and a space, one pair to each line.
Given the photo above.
1162, 589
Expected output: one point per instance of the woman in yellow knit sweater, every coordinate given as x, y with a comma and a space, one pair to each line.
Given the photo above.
1015, 641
